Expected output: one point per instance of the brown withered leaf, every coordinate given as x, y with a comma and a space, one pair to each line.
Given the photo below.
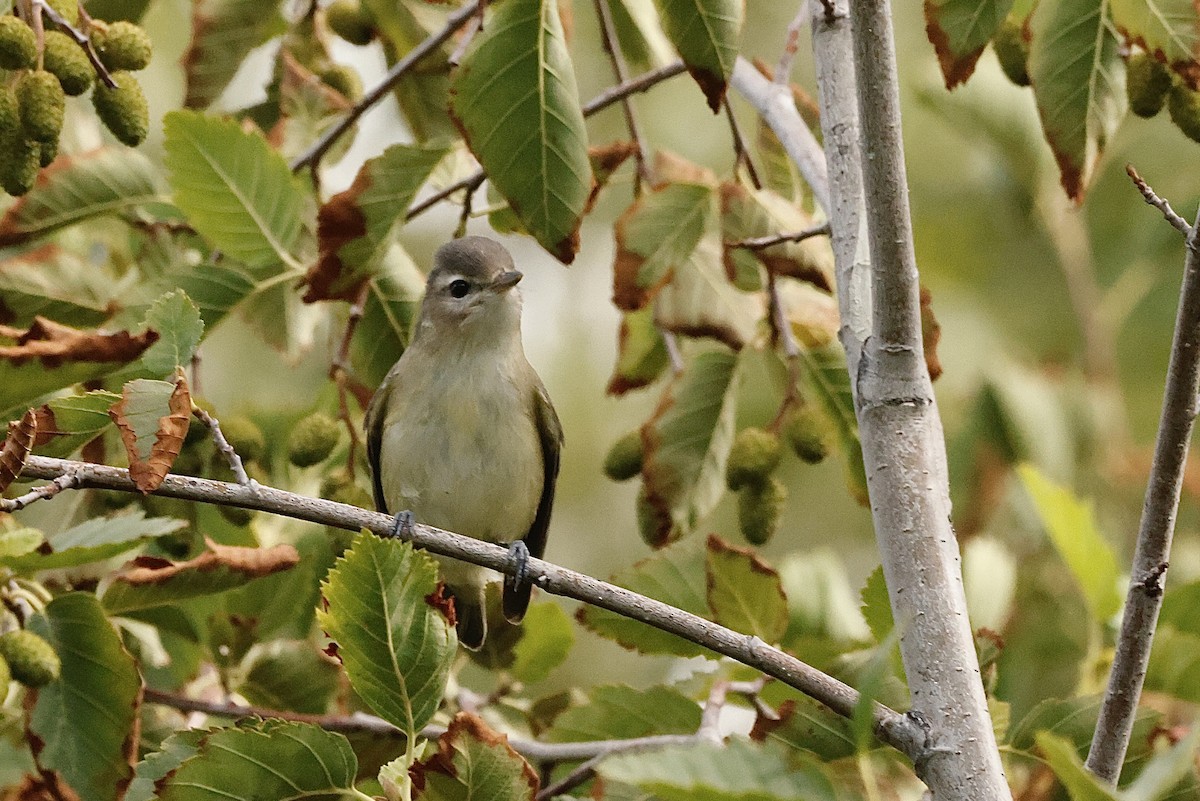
606, 159
670, 168
152, 417
48, 787
339, 221
701, 301
244, 563
467, 740
55, 344
641, 353
16, 448
747, 214
931, 334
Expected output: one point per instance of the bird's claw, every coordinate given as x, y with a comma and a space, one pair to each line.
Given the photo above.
518, 560
404, 526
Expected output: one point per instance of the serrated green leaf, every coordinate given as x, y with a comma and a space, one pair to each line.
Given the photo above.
706, 34
19, 541
290, 675
393, 302
617, 711
706, 772
1081, 784
170, 755
1168, 28
807, 725
959, 30
514, 94
67, 424
54, 283
876, 606
1071, 526
546, 638
701, 301
78, 187
744, 592
674, 575
687, 444
357, 228
235, 188
1079, 84
87, 719
223, 33
96, 539
396, 644
641, 353
474, 763
177, 320
657, 234
270, 761
215, 289
1075, 720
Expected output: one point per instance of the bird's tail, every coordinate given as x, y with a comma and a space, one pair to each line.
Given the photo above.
472, 619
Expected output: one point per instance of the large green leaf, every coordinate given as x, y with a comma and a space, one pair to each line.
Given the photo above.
744, 592
170, 755
674, 575
54, 283
1167, 28
223, 33
959, 30
290, 675
617, 711
473, 763
706, 33
87, 720
807, 725
271, 761
96, 539
687, 443
392, 632
1079, 84
708, 772
66, 424
656, 234
393, 302
234, 187
1071, 526
514, 94
356, 228
701, 301
1081, 784
79, 187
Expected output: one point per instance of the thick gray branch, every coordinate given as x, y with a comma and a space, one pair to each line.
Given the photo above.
890, 726
1149, 574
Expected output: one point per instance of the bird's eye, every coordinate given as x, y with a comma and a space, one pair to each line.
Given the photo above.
459, 288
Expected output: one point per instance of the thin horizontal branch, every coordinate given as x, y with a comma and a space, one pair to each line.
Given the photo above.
1157, 202
890, 726
761, 242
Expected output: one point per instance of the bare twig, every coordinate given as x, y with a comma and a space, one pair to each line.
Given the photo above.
674, 355
68, 480
80, 39
231, 456
791, 44
314, 154
741, 154
1157, 202
608, 34
1148, 576
469, 184
469, 32
339, 372
891, 727
346, 724
582, 773
710, 718
762, 242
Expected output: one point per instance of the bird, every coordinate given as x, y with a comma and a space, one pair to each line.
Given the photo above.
461, 434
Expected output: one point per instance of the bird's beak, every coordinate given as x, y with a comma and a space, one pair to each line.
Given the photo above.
506, 281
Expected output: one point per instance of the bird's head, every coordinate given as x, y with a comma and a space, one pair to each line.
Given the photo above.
471, 291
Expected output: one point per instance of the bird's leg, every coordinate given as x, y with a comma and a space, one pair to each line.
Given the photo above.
404, 526
518, 560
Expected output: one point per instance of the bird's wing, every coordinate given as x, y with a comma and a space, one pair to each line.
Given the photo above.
551, 435
373, 424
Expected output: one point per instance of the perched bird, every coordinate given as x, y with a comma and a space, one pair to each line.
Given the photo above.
461, 435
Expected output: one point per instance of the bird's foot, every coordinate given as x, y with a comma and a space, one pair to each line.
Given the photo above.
518, 561
404, 526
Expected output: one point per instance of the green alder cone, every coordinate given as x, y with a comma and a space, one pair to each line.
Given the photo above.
624, 459
5, 675
66, 61
754, 455
339, 487
47, 153
760, 507
1147, 83
42, 104
20, 160
30, 658
123, 110
349, 20
1012, 50
807, 432
18, 45
647, 520
313, 439
122, 46
67, 9
245, 437
10, 115
343, 80
1184, 106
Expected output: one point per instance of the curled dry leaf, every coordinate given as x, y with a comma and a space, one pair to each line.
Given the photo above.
16, 448
472, 757
246, 563
931, 334
152, 417
605, 160
55, 344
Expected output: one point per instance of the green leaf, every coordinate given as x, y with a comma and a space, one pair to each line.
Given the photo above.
876, 606
284, 604
1174, 668
959, 30
19, 541
473, 763
1081, 784
826, 384
234, 187
639, 34
170, 755
66, 424
807, 725
821, 601
96, 539
1079, 84
54, 283
617, 711
514, 94
1167, 28
546, 638
673, 576
706, 33
356, 228
1165, 770
1071, 526
393, 302
87, 719
744, 592
687, 443
1075, 720
214, 288
290, 675
393, 635
270, 761
656, 234
641, 353
1181, 608
746, 214
706, 772
223, 33
79, 187
179, 327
